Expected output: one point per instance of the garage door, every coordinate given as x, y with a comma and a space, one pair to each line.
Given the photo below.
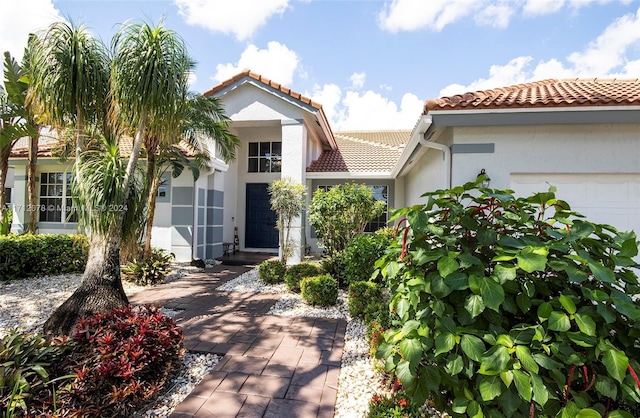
612, 199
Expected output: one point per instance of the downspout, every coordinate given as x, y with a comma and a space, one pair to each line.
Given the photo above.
445, 150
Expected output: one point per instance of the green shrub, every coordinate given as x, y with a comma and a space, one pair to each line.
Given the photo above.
29, 368
272, 271
148, 271
38, 255
334, 265
512, 307
341, 213
297, 272
360, 255
319, 290
366, 301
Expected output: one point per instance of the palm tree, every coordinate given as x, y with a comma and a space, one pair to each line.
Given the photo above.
203, 118
147, 92
69, 79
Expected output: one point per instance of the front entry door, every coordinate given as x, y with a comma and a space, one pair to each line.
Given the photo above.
261, 229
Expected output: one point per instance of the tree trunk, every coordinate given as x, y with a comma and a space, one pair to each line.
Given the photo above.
152, 176
100, 290
31, 183
4, 169
133, 157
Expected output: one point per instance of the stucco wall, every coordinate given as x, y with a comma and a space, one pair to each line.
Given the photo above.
610, 148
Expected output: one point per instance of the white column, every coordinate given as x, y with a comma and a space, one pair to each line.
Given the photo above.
294, 147
19, 203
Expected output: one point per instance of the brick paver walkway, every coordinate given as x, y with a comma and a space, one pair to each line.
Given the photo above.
273, 366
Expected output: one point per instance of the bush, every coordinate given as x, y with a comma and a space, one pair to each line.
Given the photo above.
122, 358
30, 368
38, 255
341, 213
366, 301
148, 271
272, 271
319, 290
360, 255
394, 405
297, 272
513, 307
334, 266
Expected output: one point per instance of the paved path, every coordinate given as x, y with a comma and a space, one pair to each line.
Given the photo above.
273, 366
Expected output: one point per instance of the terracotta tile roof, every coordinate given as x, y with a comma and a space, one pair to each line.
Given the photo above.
263, 80
47, 148
546, 93
362, 152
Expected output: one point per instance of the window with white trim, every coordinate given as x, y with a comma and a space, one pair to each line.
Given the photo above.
56, 204
265, 157
379, 193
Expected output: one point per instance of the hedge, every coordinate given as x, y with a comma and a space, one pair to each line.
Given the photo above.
38, 255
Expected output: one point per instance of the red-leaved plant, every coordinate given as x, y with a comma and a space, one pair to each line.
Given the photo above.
121, 359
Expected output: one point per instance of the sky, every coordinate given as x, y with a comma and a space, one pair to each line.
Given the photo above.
371, 63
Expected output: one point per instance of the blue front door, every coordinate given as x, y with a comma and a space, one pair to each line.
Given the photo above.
260, 229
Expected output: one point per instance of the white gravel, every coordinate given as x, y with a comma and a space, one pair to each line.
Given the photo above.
28, 302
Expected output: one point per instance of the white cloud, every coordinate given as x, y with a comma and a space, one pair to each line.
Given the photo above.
606, 56
410, 15
238, 17
19, 18
355, 110
358, 79
277, 62
193, 78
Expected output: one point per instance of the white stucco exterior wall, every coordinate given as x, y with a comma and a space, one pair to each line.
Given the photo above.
294, 147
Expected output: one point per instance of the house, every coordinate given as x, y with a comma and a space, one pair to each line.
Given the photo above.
583, 136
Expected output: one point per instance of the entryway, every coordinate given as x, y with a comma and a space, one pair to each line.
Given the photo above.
260, 229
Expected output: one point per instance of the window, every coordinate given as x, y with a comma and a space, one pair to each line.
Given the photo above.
162, 187
55, 198
7, 193
265, 157
379, 193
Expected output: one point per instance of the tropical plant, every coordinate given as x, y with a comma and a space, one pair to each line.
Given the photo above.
148, 270
16, 121
512, 307
287, 201
341, 213
203, 121
146, 84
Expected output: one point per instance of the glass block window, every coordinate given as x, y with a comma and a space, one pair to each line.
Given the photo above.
265, 157
55, 198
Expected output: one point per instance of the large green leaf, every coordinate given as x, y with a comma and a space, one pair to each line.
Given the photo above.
474, 305
532, 259
492, 293
521, 379
616, 363
445, 343
606, 387
588, 413
540, 392
454, 365
495, 360
618, 413
586, 324
602, 273
568, 304
490, 387
472, 346
559, 321
411, 350
447, 265
526, 359
504, 273
403, 371
544, 311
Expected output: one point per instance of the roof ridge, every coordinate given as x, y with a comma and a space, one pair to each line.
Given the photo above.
366, 142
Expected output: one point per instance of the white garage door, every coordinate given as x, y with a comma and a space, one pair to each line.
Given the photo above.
612, 199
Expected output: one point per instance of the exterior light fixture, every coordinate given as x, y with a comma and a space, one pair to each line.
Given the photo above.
486, 180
